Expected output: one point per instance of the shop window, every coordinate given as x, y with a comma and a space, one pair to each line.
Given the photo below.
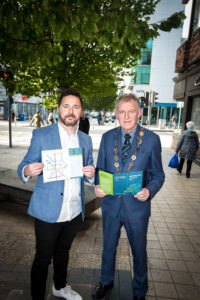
196, 20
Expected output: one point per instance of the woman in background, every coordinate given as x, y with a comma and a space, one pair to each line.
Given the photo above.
187, 147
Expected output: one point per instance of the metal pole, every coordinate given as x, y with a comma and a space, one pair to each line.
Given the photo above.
157, 118
142, 116
10, 120
149, 108
179, 117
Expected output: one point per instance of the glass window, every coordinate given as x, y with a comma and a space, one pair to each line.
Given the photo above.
196, 20
145, 57
142, 75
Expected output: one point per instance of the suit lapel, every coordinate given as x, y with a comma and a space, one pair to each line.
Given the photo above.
81, 145
54, 141
118, 139
56, 134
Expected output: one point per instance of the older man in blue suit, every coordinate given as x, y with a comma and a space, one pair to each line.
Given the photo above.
57, 207
128, 148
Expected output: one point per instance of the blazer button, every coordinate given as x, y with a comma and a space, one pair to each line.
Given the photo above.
61, 194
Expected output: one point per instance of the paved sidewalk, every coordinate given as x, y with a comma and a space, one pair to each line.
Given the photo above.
173, 236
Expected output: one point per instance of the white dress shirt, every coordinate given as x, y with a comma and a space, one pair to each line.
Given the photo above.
71, 206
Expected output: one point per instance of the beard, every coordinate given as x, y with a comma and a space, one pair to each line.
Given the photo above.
70, 123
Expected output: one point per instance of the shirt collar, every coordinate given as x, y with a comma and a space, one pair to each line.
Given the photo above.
131, 133
64, 131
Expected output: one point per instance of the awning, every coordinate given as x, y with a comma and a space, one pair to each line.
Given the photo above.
166, 104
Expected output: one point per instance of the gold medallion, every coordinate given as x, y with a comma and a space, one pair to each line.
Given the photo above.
133, 157
141, 133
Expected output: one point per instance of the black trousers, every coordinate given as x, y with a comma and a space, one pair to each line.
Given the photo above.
53, 240
189, 166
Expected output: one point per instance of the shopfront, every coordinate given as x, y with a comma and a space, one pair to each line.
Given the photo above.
187, 89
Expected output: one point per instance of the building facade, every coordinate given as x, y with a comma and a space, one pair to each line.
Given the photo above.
21, 106
155, 70
187, 82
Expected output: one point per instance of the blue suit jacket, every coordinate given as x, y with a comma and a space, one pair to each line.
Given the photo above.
148, 160
47, 198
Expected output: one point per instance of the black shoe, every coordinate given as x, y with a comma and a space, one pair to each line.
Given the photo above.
138, 298
178, 171
188, 175
100, 290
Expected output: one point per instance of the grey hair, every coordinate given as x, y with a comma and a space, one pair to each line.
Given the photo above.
127, 97
190, 124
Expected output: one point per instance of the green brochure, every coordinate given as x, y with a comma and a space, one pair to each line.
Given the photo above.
121, 184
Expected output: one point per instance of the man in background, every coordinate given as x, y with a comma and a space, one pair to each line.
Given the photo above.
84, 123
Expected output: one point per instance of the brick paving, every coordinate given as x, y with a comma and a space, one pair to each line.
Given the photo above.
173, 238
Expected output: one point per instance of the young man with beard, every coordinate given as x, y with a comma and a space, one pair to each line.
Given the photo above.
58, 206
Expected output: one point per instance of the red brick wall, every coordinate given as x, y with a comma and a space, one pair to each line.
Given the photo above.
188, 53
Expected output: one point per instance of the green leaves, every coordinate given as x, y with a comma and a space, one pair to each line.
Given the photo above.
173, 21
85, 44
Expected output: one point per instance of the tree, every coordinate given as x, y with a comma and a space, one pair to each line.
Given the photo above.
99, 103
31, 31
46, 42
89, 69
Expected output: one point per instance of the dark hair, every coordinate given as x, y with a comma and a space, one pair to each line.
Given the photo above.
69, 92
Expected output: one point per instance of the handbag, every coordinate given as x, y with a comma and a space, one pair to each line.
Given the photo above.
173, 163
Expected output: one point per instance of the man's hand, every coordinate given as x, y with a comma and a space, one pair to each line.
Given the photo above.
99, 193
33, 169
143, 195
88, 171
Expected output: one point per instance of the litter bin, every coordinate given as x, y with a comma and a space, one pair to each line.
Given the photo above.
22, 117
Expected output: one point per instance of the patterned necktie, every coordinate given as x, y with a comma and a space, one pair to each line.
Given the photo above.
126, 147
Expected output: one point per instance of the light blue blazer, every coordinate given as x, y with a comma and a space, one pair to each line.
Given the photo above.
148, 160
47, 198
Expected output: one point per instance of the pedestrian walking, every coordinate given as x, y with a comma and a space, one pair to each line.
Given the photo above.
37, 120
99, 117
50, 119
12, 115
187, 147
